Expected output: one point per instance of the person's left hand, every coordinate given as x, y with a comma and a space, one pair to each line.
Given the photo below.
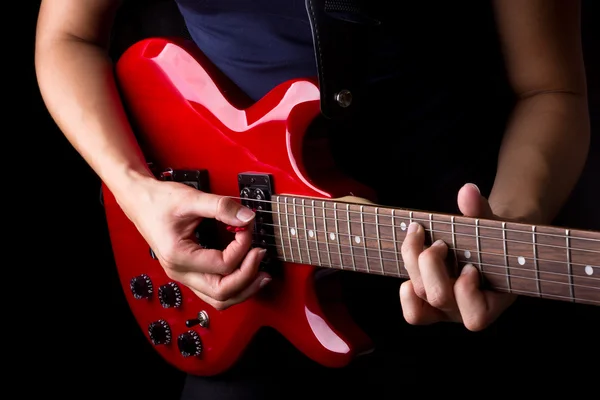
432, 294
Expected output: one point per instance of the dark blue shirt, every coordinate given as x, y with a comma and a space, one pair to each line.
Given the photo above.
257, 43
438, 95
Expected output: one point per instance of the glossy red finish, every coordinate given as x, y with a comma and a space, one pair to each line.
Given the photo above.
188, 117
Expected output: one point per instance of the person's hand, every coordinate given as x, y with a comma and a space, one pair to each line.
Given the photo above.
432, 294
167, 214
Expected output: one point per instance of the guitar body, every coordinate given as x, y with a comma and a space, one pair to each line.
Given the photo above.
188, 117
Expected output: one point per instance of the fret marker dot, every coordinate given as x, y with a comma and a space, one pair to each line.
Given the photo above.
589, 270
292, 231
467, 254
332, 236
521, 260
403, 226
357, 239
311, 233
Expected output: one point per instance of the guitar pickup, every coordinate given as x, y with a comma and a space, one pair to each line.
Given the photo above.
198, 179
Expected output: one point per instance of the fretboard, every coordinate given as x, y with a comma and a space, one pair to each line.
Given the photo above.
539, 261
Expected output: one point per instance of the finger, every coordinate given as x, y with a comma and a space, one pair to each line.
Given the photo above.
415, 310
242, 296
412, 246
478, 308
190, 257
221, 208
222, 288
436, 280
472, 204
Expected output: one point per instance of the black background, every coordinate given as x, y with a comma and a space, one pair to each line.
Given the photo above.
70, 328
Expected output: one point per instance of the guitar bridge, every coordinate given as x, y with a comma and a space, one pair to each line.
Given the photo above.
255, 193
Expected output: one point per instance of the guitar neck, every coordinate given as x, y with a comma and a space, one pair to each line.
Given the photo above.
538, 261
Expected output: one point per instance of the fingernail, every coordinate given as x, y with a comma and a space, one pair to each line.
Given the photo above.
476, 187
413, 227
261, 253
244, 214
467, 269
438, 243
264, 282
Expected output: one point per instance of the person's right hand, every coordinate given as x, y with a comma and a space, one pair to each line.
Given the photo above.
167, 213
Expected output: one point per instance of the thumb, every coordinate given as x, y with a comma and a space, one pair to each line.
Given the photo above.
221, 208
472, 204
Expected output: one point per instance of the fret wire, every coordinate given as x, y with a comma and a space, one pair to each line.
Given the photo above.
516, 277
410, 221
280, 228
316, 231
535, 260
525, 278
287, 223
326, 234
364, 238
508, 230
431, 228
297, 231
465, 224
350, 237
570, 266
479, 250
506, 256
491, 253
337, 233
305, 232
456, 267
379, 239
395, 242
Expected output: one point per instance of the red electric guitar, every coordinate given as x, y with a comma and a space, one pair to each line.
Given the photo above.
197, 129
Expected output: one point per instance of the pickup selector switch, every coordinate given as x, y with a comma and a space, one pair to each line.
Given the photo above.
170, 295
141, 287
159, 332
189, 344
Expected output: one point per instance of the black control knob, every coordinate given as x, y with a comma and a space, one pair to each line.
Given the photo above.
141, 287
170, 295
159, 332
189, 344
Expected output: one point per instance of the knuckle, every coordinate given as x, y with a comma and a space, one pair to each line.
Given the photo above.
413, 316
219, 305
225, 205
169, 254
219, 294
427, 257
407, 247
475, 323
420, 290
226, 267
439, 297
170, 271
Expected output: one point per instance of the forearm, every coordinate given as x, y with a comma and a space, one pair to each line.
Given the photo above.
541, 157
77, 83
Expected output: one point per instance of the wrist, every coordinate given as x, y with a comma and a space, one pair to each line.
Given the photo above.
131, 183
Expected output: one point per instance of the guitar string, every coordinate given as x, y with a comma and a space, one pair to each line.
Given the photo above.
537, 234
425, 220
395, 273
377, 258
513, 291
399, 242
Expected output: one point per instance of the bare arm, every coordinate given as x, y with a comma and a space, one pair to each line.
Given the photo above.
547, 140
76, 80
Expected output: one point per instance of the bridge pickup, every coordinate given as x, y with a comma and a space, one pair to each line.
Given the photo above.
255, 193
198, 179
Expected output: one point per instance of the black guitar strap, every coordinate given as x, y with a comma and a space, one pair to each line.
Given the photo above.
340, 36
